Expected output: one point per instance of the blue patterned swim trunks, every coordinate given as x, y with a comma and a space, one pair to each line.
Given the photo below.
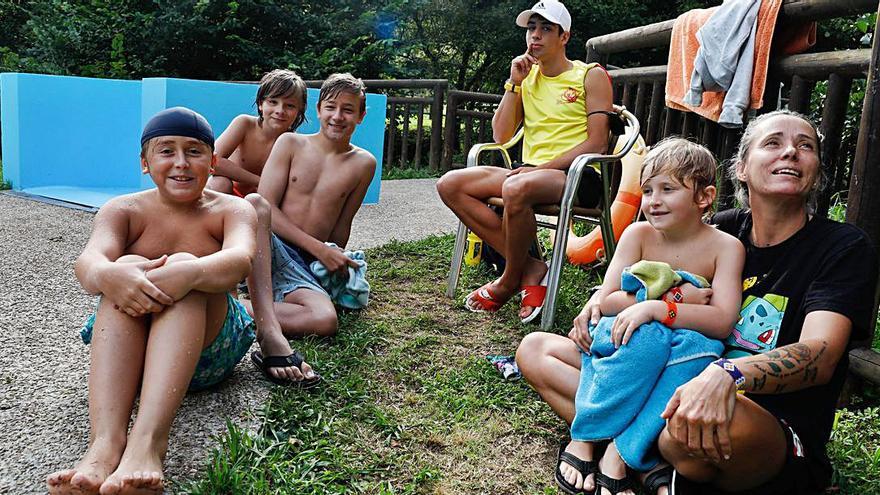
218, 360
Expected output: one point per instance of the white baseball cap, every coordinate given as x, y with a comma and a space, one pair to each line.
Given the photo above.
552, 10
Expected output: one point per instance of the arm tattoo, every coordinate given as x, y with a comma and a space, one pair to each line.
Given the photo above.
779, 368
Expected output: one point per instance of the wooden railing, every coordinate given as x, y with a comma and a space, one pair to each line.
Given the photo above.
414, 121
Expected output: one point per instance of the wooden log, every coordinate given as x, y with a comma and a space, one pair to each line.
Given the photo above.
799, 96
689, 128
672, 125
709, 136
404, 142
372, 84
641, 101
468, 132
659, 34
833, 119
404, 100
477, 114
818, 66
648, 73
657, 103
474, 96
450, 130
435, 155
628, 95
865, 363
419, 132
392, 136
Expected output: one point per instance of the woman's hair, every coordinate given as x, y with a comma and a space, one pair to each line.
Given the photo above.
748, 139
281, 83
689, 163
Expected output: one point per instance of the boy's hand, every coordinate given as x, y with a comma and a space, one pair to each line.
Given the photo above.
174, 279
128, 288
520, 67
691, 294
631, 318
335, 260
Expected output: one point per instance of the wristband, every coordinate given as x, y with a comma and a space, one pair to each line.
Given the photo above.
674, 294
509, 86
671, 313
731, 370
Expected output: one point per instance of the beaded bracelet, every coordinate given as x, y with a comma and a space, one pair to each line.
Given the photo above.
671, 313
731, 370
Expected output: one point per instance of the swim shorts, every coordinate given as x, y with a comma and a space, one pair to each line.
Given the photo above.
218, 360
290, 271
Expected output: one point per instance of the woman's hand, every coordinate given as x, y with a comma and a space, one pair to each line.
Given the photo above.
589, 316
631, 318
698, 414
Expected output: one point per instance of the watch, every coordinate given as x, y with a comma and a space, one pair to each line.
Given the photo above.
513, 88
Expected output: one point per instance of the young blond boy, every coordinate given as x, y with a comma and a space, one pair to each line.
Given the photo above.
638, 357
244, 146
163, 261
311, 188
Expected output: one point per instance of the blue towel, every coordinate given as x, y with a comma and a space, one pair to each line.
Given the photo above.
620, 389
352, 292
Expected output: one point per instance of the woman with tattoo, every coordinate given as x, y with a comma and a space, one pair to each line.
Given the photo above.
808, 291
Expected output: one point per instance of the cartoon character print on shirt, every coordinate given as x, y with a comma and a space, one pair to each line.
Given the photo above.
758, 327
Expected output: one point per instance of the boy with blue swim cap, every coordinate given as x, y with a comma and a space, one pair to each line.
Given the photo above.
163, 261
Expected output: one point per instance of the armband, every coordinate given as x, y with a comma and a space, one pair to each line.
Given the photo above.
513, 88
731, 370
674, 294
671, 313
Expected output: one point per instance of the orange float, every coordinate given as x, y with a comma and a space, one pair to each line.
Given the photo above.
587, 249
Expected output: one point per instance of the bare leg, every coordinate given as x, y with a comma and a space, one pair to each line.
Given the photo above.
465, 192
521, 193
219, 183
270, 335
117, 356
759, 450
612, 465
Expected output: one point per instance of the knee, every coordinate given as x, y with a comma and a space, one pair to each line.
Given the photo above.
131, 258
532, 351
692, 468
515, 191
448, 185
326, 322
260, 204
220, 184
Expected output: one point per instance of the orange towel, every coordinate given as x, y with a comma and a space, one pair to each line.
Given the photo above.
683, 49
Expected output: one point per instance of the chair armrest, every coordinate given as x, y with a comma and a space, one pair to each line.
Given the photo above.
473, 158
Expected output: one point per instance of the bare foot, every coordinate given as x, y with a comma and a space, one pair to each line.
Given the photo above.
276, 344
86, 478
612, 466
533, 275
583, 451
139, 472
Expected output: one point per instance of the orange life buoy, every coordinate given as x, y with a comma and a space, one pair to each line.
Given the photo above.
589, 248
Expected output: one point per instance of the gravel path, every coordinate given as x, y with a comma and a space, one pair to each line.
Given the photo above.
44, 365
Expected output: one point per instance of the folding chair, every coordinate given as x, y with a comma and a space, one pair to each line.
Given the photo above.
564, 212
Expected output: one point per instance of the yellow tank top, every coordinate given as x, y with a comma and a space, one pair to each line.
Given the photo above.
554, 112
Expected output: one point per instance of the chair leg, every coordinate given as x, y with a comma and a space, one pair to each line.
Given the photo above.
457, 257
609, 243
556, 263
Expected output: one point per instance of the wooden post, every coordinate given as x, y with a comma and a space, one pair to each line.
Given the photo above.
641, 101
799, 96
864, 187
436, 152
657, 104
392, 136
833, 118
404, 142
450, 131
419, 131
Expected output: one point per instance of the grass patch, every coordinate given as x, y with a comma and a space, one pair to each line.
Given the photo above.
410, 405
4, 184
409, 173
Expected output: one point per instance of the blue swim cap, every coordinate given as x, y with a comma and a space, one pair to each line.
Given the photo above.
178, 121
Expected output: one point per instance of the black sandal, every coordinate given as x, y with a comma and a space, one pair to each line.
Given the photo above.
294, 359
585, 468
657, 478
614, 485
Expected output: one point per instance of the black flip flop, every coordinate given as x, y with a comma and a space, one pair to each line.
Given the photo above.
294, 359
585, 468
614, 485
657, 478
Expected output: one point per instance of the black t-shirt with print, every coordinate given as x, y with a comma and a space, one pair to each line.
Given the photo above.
825, 266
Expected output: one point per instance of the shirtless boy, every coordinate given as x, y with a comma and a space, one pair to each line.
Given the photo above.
311, 188
244, 146
164, 261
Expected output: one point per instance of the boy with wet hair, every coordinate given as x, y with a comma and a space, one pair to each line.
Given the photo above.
163, 261
312, 187
244, 146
